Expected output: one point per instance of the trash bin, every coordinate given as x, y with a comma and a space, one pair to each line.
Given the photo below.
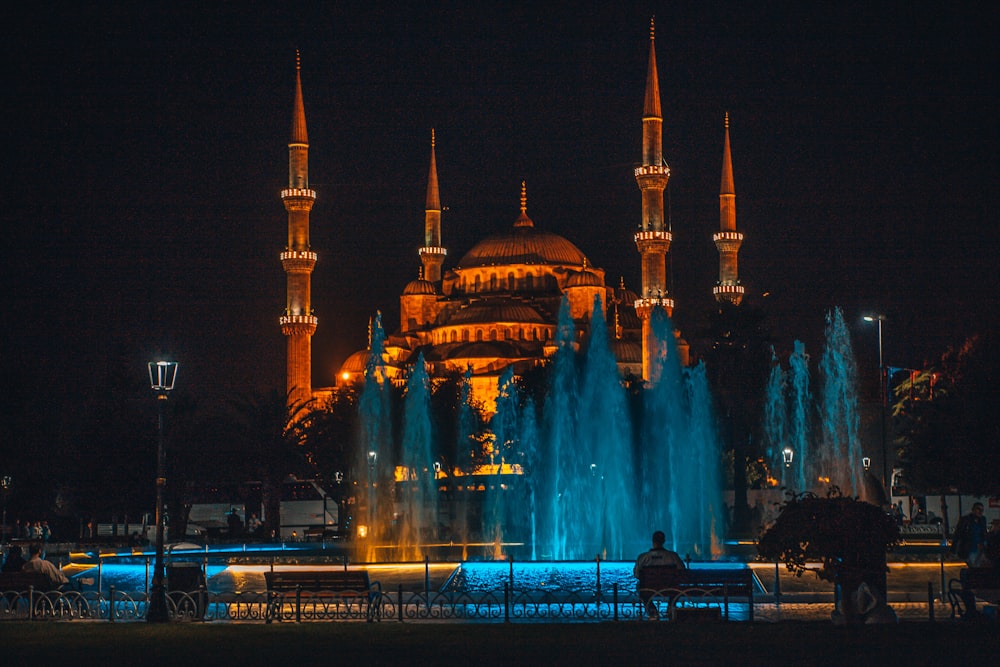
186, 588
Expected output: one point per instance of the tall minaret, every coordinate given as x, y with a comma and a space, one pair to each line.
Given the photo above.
298, 323
727, 239
653, 240
432, 254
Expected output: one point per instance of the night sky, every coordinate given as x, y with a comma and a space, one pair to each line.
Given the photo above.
144, 154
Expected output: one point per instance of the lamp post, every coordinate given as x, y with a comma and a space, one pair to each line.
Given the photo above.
5, 483
162, 375
883, 400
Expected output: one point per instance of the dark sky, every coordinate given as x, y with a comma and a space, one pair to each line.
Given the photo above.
145, 151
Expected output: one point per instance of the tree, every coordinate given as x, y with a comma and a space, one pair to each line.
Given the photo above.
738, 363
848, 536
946, 423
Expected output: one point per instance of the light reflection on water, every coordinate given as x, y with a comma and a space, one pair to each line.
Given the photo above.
553, 576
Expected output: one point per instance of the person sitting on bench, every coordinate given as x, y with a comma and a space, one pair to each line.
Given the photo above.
657, 556
38, 564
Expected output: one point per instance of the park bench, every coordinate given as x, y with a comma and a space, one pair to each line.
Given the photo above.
22, 582
672, 584
315, 590
973, 582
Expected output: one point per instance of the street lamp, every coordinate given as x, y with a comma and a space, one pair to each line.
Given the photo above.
5, 483
883, 400
162, 375
787, 455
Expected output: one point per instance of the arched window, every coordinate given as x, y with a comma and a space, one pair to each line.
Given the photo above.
477, 284
465, 335
511, 285
493, 334
479, 335
493, 282
529, 281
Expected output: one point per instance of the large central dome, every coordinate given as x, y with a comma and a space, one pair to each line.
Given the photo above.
523, 245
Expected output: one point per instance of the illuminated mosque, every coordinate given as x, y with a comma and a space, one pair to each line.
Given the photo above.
498, 306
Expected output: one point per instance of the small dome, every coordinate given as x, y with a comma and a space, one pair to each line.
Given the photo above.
355, 363
584, 279
419, 286
495, 310
627, 351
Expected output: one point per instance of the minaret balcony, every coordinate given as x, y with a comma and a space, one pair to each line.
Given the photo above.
728, 241
432, 250
652, 170
292, 325
728, 289
298, 193
298, 261
653, 241
644, 306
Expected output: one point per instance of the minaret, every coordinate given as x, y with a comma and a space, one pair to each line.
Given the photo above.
727, 239
653, 239
433, 253
298, 323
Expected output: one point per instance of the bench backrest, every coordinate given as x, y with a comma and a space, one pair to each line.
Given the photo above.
660, 577
21, 581
318, 580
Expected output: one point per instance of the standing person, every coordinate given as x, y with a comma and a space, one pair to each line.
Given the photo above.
38, 564
970, 536
657, 556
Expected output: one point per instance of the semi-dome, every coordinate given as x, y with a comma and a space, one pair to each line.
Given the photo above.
495, 310
523, 245
419, 286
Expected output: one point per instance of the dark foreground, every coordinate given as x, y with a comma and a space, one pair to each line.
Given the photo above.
475, 645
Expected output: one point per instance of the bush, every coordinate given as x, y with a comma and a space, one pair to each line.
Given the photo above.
845, 534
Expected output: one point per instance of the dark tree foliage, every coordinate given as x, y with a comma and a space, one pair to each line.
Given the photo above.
738, 358
946, 422
840, 532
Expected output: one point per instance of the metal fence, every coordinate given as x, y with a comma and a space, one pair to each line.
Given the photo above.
497, 606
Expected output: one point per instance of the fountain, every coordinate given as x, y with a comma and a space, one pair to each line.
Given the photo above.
585, 474
829, 453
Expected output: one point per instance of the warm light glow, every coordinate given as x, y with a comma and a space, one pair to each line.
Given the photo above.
345, 376
362, 531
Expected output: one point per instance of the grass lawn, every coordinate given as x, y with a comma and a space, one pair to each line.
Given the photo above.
474, 645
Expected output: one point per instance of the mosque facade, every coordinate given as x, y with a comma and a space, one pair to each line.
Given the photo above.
498, 306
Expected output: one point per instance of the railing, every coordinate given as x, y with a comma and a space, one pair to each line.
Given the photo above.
493, 605
501, 605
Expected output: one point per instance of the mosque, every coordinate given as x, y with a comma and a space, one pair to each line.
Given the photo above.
498, 306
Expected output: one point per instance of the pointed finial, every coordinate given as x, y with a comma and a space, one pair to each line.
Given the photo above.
524, 198
420, 273
370, 325
298, 60
652, 27
727, 120
432, 137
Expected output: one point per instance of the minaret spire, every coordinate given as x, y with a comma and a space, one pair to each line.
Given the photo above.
727, 239
432, 254
654, 238
298, 323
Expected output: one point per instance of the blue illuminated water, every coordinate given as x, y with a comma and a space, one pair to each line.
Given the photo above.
599, 474
554, 576
828, 453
